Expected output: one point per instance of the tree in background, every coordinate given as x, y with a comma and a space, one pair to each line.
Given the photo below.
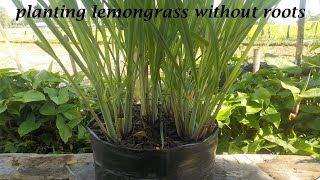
4, 17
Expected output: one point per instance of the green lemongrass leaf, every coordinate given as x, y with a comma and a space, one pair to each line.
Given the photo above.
178, 62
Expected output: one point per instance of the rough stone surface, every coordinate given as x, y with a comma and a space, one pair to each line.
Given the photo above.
80, 166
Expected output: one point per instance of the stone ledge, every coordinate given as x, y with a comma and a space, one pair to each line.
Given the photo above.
80, 166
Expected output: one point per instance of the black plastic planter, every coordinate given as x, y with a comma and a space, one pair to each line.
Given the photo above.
187, 162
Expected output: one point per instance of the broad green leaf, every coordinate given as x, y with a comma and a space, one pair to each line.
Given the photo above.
58, 96
10, 147
62, 98
66, 107
284, 94
310, 109
254, 147
252, 109
313, 60
30, 124
304, 147
30, 96
14, 110
234, 149
3, 106
51, 92
251, 122
272, 115
240, 97
284, 65
81, 132
48, 109
311, 93
280, 142
273, 86
224, 113
71, 114
65, 131
269, 145
261, 95
294, 90
73, 123
314, 47
4, 119
45, 76
312, 123
266, 130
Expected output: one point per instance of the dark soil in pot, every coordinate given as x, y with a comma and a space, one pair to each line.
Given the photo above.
146, 135
140, 156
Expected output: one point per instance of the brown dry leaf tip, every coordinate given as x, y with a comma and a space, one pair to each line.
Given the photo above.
140, 134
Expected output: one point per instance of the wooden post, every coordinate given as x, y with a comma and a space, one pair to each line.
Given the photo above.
256, 60
299, 46
269, 32
316, 31
288, 32
73, 63
262, 33
12, 53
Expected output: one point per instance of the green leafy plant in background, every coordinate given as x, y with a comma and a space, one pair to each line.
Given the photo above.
300, 95
255, 118
40, 112
177, 62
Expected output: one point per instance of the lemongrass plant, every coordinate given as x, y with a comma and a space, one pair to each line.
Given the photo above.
178, 62
199, 56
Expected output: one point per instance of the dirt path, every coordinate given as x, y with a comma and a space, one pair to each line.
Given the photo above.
32, 57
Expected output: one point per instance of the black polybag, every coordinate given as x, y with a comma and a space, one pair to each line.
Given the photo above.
188, 162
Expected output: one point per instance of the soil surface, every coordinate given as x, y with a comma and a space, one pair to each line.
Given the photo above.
145, 135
